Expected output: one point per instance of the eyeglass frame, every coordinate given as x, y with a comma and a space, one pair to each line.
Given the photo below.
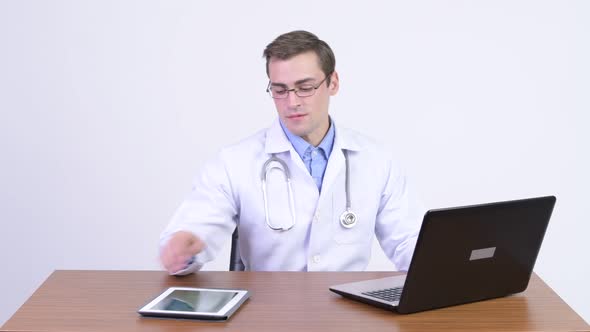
295, 90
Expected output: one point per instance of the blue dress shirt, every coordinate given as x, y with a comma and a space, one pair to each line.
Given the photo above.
315, 159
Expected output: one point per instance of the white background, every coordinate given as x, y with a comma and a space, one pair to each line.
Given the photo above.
109, 108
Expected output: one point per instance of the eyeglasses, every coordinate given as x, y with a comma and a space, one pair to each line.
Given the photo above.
305, 90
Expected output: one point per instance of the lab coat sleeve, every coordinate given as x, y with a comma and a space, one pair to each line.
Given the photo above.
398, 219
209, 212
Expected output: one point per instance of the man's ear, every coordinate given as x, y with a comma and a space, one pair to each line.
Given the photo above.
334, 83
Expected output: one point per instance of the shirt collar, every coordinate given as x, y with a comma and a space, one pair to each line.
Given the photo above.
276, 140
300, 145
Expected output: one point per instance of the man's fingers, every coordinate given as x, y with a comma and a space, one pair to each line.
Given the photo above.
175, 263
176, 267
179, 250
196, 246
188, 244
167, 258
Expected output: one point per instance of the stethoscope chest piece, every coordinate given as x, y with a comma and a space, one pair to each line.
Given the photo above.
348, 219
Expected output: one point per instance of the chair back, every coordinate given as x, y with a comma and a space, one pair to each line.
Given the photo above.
235, 260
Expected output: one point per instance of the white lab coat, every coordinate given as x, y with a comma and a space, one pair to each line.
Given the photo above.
228, 192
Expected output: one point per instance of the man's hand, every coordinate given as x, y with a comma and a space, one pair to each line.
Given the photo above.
178, 251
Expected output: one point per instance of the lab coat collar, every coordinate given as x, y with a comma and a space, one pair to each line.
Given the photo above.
276, 140
345, 140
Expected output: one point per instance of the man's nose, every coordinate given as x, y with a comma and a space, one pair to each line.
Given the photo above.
294, 99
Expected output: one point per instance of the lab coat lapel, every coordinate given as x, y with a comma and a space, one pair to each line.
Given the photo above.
333, 169
277, 142
344, 140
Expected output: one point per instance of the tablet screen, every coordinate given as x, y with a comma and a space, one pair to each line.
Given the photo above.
195, 301
198, 303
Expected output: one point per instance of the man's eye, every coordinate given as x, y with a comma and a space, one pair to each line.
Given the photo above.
306, 88
279, 91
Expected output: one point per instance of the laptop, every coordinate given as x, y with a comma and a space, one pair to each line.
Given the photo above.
464, 254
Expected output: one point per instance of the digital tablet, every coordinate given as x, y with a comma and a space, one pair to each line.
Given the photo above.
196, 303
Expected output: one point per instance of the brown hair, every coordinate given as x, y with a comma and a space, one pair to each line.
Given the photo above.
297, 42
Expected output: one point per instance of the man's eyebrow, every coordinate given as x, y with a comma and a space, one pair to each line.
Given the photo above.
299, 82
282, 85
305, 80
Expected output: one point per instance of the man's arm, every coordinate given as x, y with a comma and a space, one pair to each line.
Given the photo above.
202, 223
399, 218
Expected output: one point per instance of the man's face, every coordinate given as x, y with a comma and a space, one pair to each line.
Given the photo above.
306, 117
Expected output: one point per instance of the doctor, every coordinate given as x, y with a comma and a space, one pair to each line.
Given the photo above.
305, 194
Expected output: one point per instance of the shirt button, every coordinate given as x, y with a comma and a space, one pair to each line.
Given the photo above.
316, 217
316, 259
314, 153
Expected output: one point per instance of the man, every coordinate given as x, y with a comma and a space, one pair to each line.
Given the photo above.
304, 224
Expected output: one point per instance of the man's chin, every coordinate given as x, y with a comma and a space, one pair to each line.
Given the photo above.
297, 130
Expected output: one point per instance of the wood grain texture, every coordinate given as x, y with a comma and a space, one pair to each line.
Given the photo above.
280, 301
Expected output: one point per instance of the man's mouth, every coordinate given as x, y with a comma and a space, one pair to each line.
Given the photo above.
296, 116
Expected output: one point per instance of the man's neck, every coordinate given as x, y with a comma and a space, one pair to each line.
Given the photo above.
317, 136
315, 140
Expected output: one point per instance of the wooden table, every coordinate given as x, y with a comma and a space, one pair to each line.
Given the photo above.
280, 301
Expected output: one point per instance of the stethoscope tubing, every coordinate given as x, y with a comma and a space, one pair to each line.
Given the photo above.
265, 168
348, 218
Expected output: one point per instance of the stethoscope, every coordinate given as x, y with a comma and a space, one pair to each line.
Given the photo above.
347, 219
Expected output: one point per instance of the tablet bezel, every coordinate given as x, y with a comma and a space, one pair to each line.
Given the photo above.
224, 313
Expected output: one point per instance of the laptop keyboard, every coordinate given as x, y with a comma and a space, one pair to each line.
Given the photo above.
388, 294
